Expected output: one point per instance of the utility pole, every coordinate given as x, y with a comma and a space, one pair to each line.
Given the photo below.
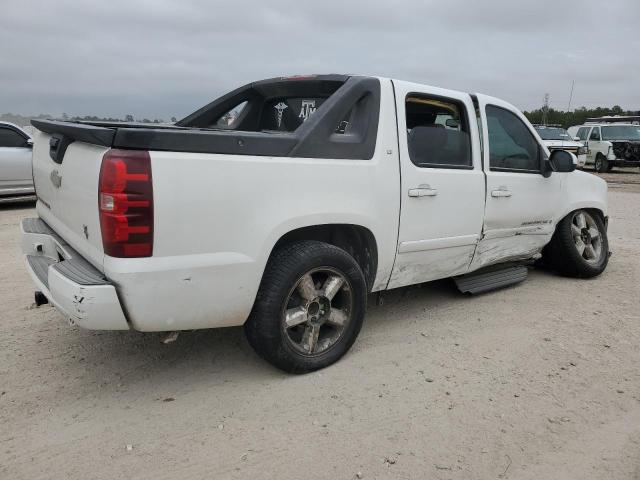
573, 82
545, 110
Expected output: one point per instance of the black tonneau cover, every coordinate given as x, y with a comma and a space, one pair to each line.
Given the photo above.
77, 131
356, 98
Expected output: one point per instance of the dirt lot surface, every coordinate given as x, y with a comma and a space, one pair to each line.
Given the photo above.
627, 179
538, 381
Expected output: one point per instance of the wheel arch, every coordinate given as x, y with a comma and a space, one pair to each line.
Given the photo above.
356, 240
594, 209
582, 191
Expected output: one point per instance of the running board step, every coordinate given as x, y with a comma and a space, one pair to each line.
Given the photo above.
484, 281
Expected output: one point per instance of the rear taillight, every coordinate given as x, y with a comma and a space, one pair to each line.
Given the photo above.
125, 196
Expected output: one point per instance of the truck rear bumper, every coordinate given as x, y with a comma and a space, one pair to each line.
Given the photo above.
70, 283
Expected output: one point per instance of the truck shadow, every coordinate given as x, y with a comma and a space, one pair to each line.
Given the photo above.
117, 361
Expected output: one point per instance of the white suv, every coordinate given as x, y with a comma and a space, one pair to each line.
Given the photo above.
611, 145
557, 138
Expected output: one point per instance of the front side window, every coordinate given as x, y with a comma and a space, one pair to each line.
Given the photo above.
583, 132
11, 138
437, 132
595, 134
511, 145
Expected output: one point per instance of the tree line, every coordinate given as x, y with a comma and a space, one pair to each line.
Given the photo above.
575, 117
23, 120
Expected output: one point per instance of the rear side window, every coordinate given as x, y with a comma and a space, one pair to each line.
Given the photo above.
583, 132
11, 138
437, 132
232, 117
595, 134
512, 146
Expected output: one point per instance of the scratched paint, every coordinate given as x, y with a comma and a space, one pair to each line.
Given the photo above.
500, 250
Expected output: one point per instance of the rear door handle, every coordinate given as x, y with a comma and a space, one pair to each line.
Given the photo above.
502, 192
423, 191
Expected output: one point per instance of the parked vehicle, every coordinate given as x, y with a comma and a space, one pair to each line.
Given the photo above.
557, 138
611, 145
283, 218
16, 181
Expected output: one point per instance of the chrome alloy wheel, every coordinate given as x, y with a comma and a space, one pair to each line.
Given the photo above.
586, 237
317, 311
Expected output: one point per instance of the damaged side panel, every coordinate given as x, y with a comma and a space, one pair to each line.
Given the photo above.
416, 267
492, 251
627, 151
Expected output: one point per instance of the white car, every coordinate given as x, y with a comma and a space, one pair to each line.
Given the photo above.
16, 181
318, 191
557, 138
610, 145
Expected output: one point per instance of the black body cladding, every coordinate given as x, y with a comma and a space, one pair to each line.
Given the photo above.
352, 101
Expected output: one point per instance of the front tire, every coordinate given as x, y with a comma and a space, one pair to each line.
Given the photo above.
602, 164
579, 247
309, 308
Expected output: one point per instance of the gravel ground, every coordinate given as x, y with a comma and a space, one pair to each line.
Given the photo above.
627, 179
538, 381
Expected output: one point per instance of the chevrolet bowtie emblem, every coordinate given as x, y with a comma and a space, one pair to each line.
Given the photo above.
56, 178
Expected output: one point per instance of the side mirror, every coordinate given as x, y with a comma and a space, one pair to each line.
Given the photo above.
563, 161
29, 143
576, 139
452, 123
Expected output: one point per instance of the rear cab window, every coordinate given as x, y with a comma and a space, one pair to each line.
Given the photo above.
314, 116
437, 132
278, 105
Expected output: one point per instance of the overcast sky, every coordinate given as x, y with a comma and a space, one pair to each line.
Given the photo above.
162, 58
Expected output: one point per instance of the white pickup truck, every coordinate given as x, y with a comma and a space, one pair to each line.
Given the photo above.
282, 204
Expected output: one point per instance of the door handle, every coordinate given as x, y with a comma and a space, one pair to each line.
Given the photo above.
423, 191
502, 192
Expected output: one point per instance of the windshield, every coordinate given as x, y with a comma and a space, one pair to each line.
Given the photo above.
621, 132
553, 134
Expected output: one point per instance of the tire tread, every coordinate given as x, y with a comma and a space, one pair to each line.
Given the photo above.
262, 328
561, 255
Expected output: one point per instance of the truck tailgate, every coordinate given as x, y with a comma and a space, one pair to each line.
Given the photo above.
67, 191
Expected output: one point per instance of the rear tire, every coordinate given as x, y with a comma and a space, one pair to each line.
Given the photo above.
579, 247
602, 164
309, 308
